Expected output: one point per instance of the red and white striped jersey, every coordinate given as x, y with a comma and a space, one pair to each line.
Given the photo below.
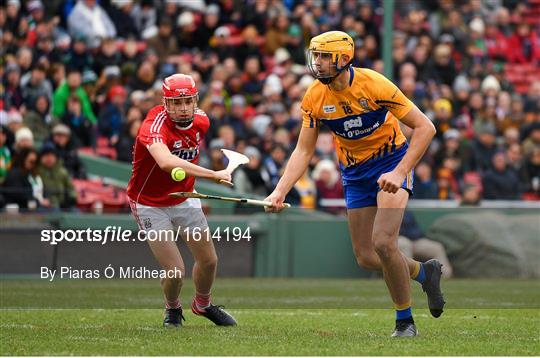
149, 185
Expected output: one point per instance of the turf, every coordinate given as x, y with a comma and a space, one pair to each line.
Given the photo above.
276, 317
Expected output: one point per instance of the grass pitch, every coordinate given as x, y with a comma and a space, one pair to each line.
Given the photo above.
276, 317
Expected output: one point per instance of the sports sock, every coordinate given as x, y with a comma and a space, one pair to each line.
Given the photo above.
419, 274
173, 304
404, 315
202, 300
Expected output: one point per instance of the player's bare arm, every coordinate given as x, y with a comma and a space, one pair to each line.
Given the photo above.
167, 162
423, 132
296, 166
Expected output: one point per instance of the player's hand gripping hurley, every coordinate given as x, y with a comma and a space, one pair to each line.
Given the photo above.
235, 160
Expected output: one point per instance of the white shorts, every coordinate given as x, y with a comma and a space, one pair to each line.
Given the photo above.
186, 215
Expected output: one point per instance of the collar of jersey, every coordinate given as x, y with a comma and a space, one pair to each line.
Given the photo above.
184, 128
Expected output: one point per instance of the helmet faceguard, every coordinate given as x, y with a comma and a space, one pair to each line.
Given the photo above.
180, 98
325, 53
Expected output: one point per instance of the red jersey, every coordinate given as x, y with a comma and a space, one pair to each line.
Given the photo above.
149, 185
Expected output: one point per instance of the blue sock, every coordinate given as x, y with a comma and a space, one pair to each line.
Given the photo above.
404, 314
421, 277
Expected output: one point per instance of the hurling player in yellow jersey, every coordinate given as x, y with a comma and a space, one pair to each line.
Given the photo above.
362, 108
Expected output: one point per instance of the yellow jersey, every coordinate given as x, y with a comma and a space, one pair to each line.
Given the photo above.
363, 117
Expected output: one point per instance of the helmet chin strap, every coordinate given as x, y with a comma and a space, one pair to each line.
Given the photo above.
328, 80
184, 123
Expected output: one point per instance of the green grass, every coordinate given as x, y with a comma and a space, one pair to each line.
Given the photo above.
276, 317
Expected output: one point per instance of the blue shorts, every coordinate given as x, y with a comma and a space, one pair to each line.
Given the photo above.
360, 182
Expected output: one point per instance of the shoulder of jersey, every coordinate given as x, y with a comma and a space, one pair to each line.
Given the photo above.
368, 73
201, 117
200, 112
316, 85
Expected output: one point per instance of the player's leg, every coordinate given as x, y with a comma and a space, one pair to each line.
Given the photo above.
394, 264
360, 222
361, 229
385, 232
159, 236
189, 216
167, 254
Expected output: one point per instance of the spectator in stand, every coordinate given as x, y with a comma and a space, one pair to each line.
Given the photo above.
482, 148
108, 55
145, 15
227, 135
90, 85
81, 127
425, 187
124, 146
67, 151
253, 79
276, 36
23, 185
501, 182
524, 44
472, 195
248, 178
38, 119
113, 114
36, 84
208, 26
24, 139
120, 14
25, 59
14, 123
163, 42
79, 56
145, 77
215, 156
515, 157
89, 18
273, 164
442, 69
57, 185
328, 184
443, 116
72, 86
186, 31
307, 191
13, 94
235, 118
5, 154
250, 47
530, 173
450, 148
496, 43
295, 44
447, 185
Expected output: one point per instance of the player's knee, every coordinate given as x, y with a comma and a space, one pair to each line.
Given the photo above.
385, 246
367, 262
208, 262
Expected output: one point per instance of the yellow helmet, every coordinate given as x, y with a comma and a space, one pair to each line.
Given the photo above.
332, 45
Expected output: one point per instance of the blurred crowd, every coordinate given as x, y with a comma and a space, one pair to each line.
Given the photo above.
81, 75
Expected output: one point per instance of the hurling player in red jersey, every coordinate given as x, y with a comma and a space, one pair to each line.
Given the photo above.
170, 137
